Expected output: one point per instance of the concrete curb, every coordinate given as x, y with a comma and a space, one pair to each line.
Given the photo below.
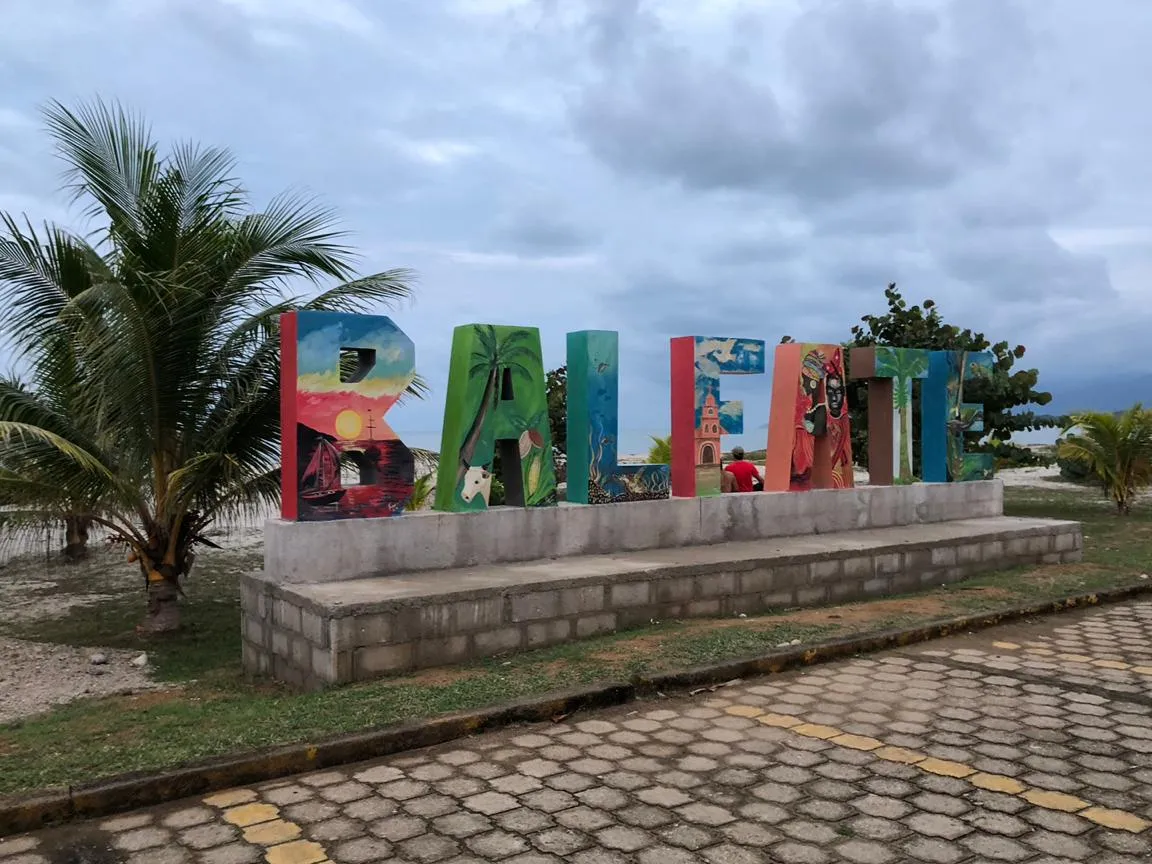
126, 792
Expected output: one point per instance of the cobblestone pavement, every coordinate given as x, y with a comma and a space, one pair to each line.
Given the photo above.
1030, 743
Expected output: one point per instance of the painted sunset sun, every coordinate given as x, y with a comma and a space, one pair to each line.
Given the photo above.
349, 424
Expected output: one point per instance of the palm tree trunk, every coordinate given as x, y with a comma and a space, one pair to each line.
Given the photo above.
163, 607
468, 450
76, 537
905, 446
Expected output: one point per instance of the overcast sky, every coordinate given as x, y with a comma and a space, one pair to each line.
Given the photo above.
747, 168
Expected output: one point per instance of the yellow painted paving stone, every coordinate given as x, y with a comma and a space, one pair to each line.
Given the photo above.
815, 730
899, 754
1110, 664
1117, 819
857, 742
1142, 670
1054, 800
997, 783
946, 768
271, 833
251, 814
783, 721
1007, 646
230, 798
744, 710
1075, 658
298, 852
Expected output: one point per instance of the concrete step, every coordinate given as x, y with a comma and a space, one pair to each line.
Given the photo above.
325, 633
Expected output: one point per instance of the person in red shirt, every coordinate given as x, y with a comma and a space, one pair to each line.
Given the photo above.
747, 477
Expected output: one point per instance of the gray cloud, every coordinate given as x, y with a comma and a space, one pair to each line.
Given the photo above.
662, 167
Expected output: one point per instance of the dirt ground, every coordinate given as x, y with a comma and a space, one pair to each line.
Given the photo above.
36, 586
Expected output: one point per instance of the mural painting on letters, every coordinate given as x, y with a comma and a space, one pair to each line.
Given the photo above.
594, 477
340, 375
809, 436
889, 373
699, 416
945, 417
496, 401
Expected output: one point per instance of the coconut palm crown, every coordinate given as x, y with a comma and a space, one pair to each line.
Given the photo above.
148, 400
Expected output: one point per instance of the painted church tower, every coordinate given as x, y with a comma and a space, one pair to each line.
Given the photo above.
708, 432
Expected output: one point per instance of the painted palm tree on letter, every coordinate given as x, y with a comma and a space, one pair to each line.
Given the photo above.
491, 359
903, 365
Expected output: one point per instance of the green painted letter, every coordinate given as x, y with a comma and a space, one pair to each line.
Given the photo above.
496, 398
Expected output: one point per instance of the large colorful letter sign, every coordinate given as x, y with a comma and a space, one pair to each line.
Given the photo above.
945, 417
889, 372
593, 425
699, 417
496, 397
809, 437
339, 375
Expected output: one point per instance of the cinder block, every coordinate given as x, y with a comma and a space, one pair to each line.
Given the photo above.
281, 643
944, 556
302, 654
758, 581
968, 554
860, 567
1018, 547
888, 563
1040, 544
716, 585
823, 572
845, 590
629, 594
702, 609
676, 590
918, 560
547, 633
778, 600
322, 666
1051, 558
536, 605
380, 659
993, 552
483, 614
438, 652
811, 595
254, 631
314, 628
1064, 542
577, 601
362, 630
590, 625
875, 587
489, 642
286, 615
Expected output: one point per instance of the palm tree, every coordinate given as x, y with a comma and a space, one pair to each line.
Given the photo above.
153, 397
1118, 449
660, 453
497, 355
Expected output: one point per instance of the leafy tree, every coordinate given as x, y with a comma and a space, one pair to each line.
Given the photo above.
151, 399
1001, 393
557, 391
1116, 448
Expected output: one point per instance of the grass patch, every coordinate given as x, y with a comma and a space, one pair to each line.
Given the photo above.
213, 712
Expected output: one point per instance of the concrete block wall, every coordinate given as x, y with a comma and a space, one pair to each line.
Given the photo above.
296, 552
292, 638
